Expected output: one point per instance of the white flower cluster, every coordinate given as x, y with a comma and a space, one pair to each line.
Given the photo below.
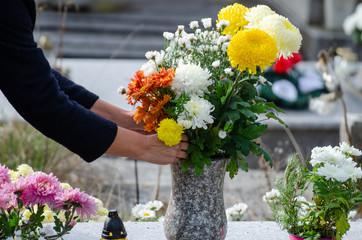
336, 162
155, 59
271, 196
147, 212
236, 212
354, 21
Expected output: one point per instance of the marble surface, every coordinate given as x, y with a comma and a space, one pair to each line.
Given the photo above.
236, 231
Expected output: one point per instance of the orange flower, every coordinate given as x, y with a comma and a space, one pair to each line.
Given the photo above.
146, 90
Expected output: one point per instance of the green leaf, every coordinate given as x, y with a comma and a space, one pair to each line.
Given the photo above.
275, 107
259, 107
342, 226
272, 115
233, 115
254, 131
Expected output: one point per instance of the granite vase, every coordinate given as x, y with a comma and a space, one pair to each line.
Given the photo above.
196, 208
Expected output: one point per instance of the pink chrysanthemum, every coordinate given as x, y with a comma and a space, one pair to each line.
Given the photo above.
39, 188
86, 206
4, 175
8, 198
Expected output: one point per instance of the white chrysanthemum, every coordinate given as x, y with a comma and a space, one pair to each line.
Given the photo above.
168, 36
271, 196
25, 170
149, 68
222, 134
191, 79
256, 14
154, 205
206, 22
198, 111
194, 24
350, 150
330, 171
236, 212
328, 155
286, 35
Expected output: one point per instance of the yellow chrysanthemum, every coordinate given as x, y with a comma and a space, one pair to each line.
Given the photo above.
250, 49
235, 15
286, 35
169, 132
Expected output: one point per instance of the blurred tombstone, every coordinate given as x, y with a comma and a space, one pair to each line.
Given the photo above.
355, 126
316, 14
335, 11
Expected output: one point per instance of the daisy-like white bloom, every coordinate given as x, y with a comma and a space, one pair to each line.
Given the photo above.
198, 111
149, 68
137, 210
271, 196
194, 24
350, 150
206, 22
236, 212
257, 13
286, 35
168, 36
147, 214
154, 205
191, 79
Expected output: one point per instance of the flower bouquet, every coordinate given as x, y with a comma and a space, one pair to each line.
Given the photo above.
204, 84
333, 179
36, 205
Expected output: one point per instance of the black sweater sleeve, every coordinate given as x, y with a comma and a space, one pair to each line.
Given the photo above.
30, 85
75, 92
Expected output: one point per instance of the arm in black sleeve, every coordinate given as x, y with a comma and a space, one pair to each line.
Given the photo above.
27, 81
75, 91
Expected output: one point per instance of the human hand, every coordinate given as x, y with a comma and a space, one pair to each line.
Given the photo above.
155, 151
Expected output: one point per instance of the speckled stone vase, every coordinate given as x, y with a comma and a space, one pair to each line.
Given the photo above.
196, 209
